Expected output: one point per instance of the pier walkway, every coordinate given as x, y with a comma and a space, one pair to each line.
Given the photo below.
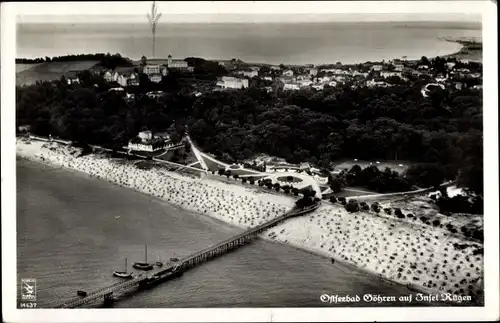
185, 263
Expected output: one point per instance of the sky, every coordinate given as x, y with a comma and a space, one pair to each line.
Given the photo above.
249, 11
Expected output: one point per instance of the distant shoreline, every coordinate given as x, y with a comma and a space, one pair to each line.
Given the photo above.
461, 53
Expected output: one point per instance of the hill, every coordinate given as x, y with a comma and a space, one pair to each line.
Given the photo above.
48, 71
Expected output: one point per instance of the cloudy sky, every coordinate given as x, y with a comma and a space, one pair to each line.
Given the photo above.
233, 11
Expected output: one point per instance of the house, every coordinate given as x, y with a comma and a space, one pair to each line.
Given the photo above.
228, 82
145, 135
71, 78
357, 73
390, 74
288, 73
108, 76
268, 78
313, 71
145, 141
305, 82
116, 89
154, 94
372, 83
156, 78
332, 84
130, 96
376, 68
450, 65
268, 89
176, 63
133, 81
291, 86
275, 68
399, 67
151, 69
249, 74
255, 68
305, 166
423, 67
318, 87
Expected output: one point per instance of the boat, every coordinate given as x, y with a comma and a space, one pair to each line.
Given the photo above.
143, 265
122, 274
81, 293
159, 263
162, 276
174, 259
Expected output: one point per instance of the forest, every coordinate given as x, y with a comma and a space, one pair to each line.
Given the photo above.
442, 133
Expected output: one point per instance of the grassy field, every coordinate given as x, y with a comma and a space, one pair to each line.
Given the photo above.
24, 67
392, 164
50, 71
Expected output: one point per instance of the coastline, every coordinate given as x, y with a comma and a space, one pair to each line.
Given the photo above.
243, 207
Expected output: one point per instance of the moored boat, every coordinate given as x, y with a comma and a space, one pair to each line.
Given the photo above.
122, 274
143, 265
159, 263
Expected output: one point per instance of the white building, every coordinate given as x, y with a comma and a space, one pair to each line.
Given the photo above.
305, 82
116, 89
146, 142
228, 82
399, 67
288, 73
372, 83
291, 86
318, 87
377, 68
156, 78
72, 80
389, 74
332, 84
275, 68
145, 135
268, 78
249, 74
151, 69
176, 63
450, 65
154, 94
313, 71
108, 76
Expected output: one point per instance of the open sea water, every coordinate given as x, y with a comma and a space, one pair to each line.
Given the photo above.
73, 231
288, 43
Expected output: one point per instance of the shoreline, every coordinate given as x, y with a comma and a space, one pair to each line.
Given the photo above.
224, 199
462, 43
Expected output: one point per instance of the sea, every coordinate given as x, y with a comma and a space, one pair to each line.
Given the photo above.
271, 43
74, 230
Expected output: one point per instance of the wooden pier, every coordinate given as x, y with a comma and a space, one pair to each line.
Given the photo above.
139, 282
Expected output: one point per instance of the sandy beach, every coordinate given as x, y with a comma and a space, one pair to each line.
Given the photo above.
403, 252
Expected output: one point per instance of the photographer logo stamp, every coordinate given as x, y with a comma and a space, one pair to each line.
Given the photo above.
28, 289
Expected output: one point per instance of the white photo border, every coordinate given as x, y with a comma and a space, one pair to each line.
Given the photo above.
490, 111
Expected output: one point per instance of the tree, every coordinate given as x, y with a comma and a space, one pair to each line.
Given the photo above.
352, 207
336, 185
